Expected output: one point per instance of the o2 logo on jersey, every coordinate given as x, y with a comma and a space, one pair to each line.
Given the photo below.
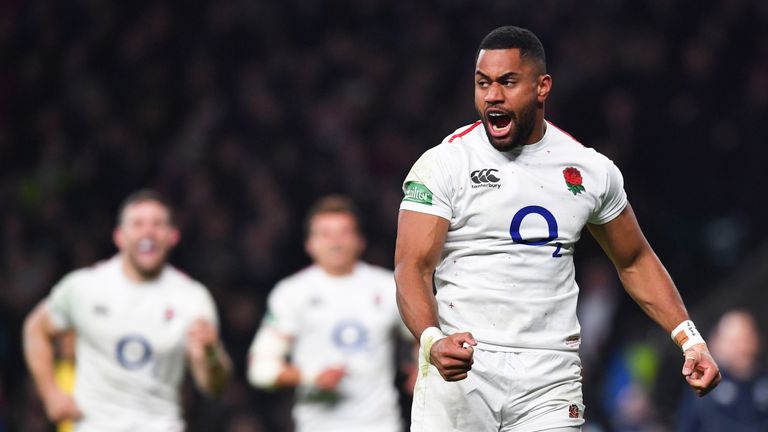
350, 336
517, 221
133, 351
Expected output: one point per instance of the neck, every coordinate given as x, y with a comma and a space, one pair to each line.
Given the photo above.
134, 274
338, 271
539, 128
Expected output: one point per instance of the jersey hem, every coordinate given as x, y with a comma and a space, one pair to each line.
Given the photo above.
484, 346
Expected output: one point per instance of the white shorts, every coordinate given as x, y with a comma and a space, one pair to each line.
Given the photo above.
505, 391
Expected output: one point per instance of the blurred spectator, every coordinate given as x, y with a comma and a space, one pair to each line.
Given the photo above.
740, 403
600, 293
598, 300
628, 380
64, 371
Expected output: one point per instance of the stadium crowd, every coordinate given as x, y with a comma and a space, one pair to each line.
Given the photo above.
245, 112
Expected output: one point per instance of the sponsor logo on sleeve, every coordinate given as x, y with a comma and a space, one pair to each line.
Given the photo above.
418, 193
269, 317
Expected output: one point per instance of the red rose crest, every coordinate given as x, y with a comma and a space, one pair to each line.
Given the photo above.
573, 411
573, 180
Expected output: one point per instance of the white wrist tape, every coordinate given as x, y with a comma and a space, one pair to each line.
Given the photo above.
267, 357
429, 336
685, 335
308, 377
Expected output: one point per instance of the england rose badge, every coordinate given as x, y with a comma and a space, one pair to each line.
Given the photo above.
573, 180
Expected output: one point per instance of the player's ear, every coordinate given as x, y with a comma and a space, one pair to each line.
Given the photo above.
361, 245
118, 237
544, 87
308, 247
174, 237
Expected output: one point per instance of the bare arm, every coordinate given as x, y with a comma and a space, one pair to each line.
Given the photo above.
209, 362
327, 379
646, 280
420, 239
268, 367
644, 277
37, 339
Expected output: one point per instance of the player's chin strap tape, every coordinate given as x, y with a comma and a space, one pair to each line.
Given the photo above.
429, 336
267, 357
685, 335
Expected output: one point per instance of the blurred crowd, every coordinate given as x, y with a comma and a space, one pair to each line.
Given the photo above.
244, 112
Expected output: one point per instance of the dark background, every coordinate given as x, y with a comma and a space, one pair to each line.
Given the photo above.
244, 112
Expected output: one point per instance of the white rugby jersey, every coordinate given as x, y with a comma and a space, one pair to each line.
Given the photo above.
347, 320
507, 272
130, 350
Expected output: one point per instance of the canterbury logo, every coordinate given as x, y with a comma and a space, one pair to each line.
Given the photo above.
484, 176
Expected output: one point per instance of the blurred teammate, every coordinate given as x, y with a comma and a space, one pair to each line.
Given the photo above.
740, 403
64, 371
494, 213
338, 323
138, 322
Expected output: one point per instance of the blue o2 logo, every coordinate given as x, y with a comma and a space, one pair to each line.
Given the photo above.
350, 335
517, 221
133, 352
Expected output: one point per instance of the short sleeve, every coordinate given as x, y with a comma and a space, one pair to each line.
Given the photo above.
207, 307
61, 302
427, 187
284, 310
613, 200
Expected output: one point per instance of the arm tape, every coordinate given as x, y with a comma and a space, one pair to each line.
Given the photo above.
686, 335
267, 357
429, 336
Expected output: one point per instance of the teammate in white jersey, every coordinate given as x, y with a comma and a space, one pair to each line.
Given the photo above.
338, 323
494, 212
138, 322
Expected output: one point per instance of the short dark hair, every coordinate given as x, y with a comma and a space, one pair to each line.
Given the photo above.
333, 204
508, 37
143, 195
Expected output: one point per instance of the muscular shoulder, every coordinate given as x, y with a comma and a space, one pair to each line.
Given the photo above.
464, 134
184, 284
451, 153
575, 150
297, 283
88, 276
177, 278
457, 144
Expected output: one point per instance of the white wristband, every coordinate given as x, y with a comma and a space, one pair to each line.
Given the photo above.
307, 377
429, 336
685, 335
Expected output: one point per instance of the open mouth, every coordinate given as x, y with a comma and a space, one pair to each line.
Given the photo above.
500, 123
146, 246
